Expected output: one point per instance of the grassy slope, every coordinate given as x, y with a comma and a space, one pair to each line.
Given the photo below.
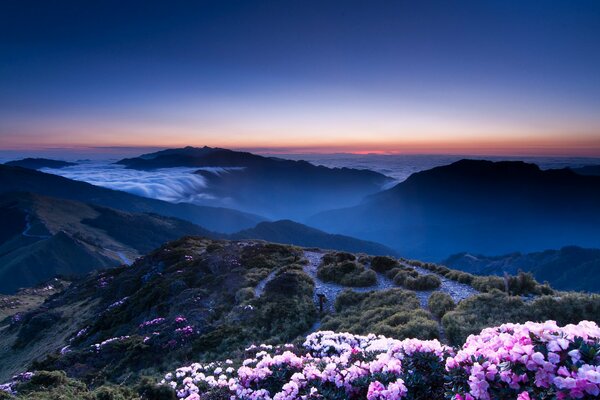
205, 291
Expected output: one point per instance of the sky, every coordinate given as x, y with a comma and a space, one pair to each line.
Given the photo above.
424, 77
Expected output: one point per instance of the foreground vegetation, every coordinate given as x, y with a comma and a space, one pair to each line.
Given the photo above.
199, 300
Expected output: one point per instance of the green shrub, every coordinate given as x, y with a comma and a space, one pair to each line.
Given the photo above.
481, 311
244, 294
383, 264
403, 275
418, 282
149, 390
110, 392
440, 303
5, 395
347, 273
488, 283
337, 257
393, 312
569, 308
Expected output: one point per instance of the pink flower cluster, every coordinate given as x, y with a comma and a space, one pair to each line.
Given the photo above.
152, 322
529, 361
349, 366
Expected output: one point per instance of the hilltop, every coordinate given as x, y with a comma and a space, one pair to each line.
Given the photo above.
201, 299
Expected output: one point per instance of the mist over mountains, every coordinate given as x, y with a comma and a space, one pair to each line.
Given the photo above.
269, 186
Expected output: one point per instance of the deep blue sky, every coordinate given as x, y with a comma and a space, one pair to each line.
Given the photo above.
400, 76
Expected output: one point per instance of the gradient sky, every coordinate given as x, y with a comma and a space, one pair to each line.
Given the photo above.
469, 77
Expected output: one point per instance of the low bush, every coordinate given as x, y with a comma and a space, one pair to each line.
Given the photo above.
392, 312
417, 282
440, 303
347, 273
383, 263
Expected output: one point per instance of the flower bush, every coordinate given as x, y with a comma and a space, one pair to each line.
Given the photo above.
513, 361
328, 365
528, 361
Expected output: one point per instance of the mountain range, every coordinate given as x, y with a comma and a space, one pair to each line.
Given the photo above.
43, 236
269, 186
38, 163
569, 268
480, 206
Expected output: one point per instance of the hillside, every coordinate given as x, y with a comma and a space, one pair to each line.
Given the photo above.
290, 232
197, 300
482, 207
588, 170
269, 186
570, 268
218, 219
38, 163
44, 236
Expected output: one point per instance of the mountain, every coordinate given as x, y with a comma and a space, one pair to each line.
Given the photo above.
218, 219
42, 237
482, 206
38, 163
588, 170
290, 232
269, 186
570, 268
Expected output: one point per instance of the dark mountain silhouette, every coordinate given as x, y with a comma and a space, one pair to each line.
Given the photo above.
570, 268
588, 170
41, 237
16, 179
482, 206
268, 186
37, 163
290, 232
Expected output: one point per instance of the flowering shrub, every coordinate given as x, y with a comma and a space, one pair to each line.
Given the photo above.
528, 361
329, 365
514, 361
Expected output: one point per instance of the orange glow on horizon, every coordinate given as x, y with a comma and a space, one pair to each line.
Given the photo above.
492, 147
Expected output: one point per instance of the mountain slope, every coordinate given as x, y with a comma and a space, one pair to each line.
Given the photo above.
268, 186
570, 268
200, 299
290, 232
38, 163
47, 236
219, 219
588, 170
479, 206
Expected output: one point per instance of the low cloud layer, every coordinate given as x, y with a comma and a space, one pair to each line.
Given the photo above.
170, 184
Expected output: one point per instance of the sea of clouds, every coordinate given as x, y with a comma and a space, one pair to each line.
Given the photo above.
175, 185
183, 185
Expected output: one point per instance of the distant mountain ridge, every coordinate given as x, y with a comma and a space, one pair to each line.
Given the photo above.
38, 163
483, 206
588, 170
274, 187
290, 232
570, 268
